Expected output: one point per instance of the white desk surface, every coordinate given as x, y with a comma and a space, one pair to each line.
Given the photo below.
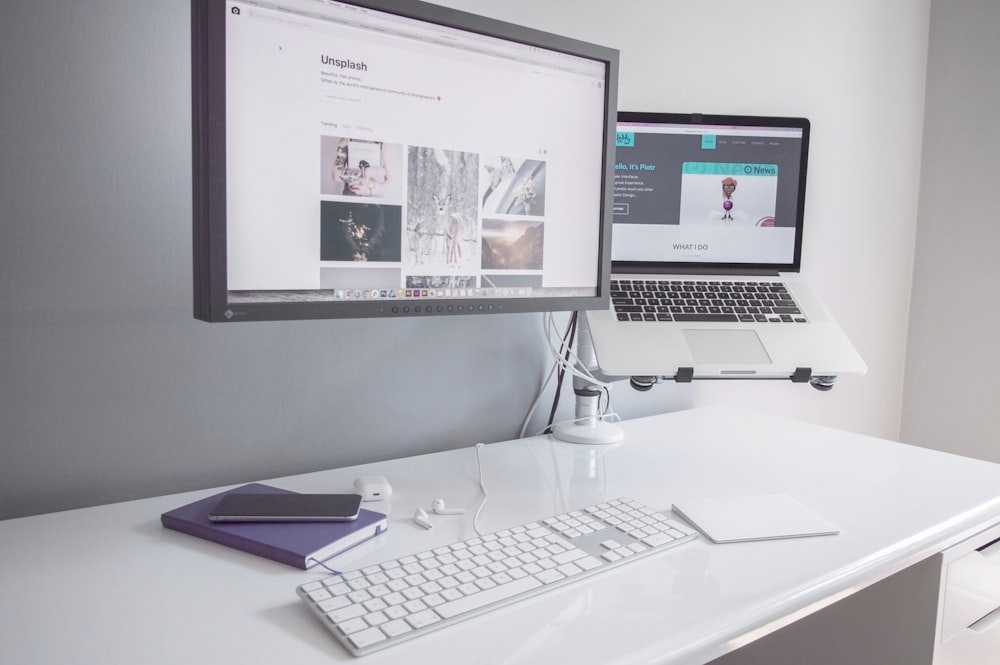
110, 585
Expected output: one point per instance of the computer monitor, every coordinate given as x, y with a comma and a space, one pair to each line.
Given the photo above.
395, 158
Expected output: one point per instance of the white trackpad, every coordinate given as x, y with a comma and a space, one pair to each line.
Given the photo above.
726, 347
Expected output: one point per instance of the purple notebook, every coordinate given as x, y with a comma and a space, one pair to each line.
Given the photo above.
299, 544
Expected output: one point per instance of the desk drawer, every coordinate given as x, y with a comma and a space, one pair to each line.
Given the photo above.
978, 645
971, 598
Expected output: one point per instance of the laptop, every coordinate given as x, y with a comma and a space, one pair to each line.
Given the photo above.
706, 254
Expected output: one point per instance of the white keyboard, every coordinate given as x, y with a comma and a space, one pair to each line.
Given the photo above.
385, 604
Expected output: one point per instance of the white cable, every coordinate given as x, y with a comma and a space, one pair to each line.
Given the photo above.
482, 487
548, 323
579, 369
573, 365
538, 400
552, 371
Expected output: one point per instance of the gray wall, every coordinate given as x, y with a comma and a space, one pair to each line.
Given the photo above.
952, 393
109, 390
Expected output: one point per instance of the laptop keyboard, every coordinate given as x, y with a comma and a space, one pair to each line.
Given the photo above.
714, 301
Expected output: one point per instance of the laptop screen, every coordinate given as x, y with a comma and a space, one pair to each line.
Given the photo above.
699, 192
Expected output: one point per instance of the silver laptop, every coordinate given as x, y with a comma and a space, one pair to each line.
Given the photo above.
706, 252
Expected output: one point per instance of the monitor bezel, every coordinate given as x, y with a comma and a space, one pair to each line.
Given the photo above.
211, 294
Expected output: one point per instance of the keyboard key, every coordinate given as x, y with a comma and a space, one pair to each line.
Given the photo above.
423, 619
395, 628
711, 318
345, 614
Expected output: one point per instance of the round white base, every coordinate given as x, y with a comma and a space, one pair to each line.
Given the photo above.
597, 434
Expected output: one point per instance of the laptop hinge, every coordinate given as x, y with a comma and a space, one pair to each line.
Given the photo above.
684, 375
802, 375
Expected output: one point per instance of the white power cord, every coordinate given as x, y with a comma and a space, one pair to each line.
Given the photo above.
482, 488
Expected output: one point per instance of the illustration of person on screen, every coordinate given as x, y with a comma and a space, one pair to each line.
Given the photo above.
728, 187
361, 167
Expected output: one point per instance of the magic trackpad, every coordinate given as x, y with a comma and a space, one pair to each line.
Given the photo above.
726, 347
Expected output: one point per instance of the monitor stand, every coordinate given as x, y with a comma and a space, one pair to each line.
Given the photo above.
588, 427
596, 432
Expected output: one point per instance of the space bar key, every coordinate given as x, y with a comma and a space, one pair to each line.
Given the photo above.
487, 597
708, 318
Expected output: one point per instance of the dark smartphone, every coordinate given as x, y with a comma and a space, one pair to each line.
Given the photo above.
286, 508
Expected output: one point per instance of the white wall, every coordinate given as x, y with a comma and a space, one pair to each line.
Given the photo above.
856, 69
952, 392
109, 390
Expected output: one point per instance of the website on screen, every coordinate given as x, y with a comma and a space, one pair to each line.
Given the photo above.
370, 156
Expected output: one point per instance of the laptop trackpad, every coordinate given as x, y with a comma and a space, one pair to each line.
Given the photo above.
726, 347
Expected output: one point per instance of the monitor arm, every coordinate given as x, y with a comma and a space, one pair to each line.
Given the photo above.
588, 426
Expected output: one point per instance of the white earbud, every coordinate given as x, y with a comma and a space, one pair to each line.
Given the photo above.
422, 518
437, 505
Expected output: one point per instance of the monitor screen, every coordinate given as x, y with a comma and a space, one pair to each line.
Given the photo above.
709, 192
391, 158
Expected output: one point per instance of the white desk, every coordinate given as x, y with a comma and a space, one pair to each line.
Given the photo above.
110, 585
